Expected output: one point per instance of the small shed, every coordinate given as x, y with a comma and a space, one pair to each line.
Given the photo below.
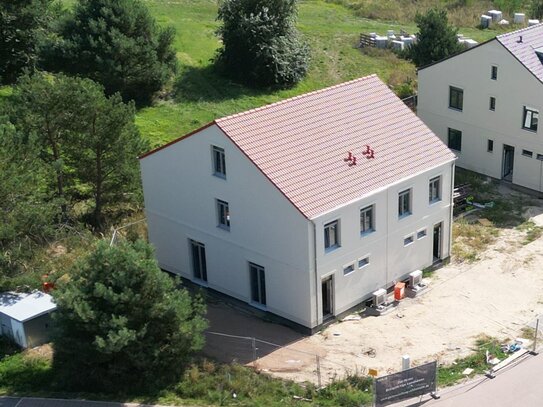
26, 317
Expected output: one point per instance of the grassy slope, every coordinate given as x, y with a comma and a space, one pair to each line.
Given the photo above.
201, 96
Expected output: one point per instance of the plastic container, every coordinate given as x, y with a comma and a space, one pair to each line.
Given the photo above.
399, 291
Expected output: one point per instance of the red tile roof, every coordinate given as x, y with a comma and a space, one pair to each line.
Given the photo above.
300, 143
532, 39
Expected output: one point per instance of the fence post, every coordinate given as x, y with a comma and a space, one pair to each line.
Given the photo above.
534, 352
253, 342
319, 371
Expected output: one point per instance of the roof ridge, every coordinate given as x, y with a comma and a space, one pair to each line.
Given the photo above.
303, 95
504, 35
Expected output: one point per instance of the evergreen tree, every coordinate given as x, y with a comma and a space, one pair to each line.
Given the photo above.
261, 46
88, 140
118, 44
436, 38
22, 27
536, 9
121, 322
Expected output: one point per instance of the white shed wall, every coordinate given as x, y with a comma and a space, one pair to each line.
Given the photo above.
18, 333
266, 229
514, 88
389, 259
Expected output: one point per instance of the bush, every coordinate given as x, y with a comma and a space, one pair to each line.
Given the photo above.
261, 46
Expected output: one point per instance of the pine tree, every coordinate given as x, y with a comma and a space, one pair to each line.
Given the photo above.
121, 322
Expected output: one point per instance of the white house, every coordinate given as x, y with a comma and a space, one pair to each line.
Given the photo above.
303, 207
485, 103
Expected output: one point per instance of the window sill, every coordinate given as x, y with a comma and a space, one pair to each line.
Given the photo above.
530, 130
258, 305
331, 249
408, 244
225, 228
455, 150
364, 266
367, 233
200, 282
456, 109
405, 215
435, 201
219, 175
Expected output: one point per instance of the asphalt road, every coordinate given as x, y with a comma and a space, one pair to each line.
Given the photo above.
39, 402
517, 385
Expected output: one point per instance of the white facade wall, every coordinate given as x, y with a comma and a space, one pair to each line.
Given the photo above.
266, 229
389, 259
514, 88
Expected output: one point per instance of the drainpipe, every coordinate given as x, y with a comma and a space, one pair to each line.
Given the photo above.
452, 209
386, 240
316, 272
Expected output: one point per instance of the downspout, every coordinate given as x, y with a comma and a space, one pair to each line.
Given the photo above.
386, 240
452, 210
316, 274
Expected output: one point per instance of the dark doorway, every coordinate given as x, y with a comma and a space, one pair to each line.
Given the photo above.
508, 162
199, 266
327, 297
437, 242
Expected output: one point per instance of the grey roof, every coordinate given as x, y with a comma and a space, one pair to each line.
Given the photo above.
525, 49
23, 307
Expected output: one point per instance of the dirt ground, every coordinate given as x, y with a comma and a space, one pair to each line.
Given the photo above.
497, 295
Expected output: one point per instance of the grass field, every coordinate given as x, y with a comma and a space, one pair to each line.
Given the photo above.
199, 95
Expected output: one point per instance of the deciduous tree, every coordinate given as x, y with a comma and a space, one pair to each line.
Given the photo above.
261, 46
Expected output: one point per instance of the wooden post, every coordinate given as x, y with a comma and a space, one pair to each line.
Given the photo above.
319, 371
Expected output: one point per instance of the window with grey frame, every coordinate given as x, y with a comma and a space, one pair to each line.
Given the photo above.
331, 235
456, 98
219, 162
530, 118
492, 103
490, 146
199, 266
404, 203
223, 215
494, 72
366, 220
434, 190
258, 283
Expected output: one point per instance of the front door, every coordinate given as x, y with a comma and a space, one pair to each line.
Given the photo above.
327, 297
508, 162
437, 242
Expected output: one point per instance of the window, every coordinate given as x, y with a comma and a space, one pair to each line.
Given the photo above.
456, 98
404, 203
363, 262
331, 235
408, 240
540, 157
455, 139
421, 234
531, 117
366, 220
494, 72
258, 283
434, 189
492, 105
219, 163
223, 215
199, 267
348, 269
527, 153
490, 146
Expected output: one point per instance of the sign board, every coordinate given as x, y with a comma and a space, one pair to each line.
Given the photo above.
404, 385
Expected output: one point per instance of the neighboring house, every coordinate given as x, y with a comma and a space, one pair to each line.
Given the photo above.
485, 104
26, 318
265, 206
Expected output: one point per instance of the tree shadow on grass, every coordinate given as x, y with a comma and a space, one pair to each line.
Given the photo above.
205, 84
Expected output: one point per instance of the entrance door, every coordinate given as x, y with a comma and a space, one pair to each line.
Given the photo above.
508, 162
437, 242
327, 297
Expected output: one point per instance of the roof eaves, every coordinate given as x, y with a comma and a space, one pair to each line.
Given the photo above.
454, 55
148, 153
522, 63
260, 169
